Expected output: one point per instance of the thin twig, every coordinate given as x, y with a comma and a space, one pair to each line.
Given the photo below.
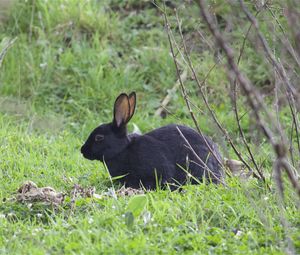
6, 48
235, 108
269, 54
294, 113
183, 89
185, 96
203, 164
254, 99
200, 86
292, 94
285, 38
291, 176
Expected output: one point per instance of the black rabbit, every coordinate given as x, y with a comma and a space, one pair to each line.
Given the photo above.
161, 156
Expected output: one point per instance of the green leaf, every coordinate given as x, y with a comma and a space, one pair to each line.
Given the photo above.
137, 204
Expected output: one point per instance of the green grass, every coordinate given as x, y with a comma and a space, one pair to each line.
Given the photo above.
59, 80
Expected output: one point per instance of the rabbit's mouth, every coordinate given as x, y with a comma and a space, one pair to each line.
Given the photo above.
87, 155
90, 157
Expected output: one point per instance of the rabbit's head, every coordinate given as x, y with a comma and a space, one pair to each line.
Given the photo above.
108, 140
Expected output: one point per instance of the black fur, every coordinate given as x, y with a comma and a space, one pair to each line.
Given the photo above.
160, 155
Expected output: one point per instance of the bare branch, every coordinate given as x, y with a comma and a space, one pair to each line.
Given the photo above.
254, 99
270, 56
184, 92
235, 107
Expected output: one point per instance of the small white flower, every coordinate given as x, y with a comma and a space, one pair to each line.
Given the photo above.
43, 65
147, 217
39, 215
238, 234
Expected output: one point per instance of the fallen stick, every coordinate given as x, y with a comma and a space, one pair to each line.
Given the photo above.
168, 97
6, 48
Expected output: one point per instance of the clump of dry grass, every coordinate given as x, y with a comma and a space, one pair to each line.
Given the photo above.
5, 6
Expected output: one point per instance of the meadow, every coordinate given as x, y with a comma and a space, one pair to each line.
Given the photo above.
66, 63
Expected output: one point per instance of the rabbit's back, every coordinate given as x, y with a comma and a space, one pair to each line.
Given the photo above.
184, 157
170, 135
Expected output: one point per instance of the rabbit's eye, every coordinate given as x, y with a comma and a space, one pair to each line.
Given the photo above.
99, 138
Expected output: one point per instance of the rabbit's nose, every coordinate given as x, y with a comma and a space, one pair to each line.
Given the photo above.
82, 149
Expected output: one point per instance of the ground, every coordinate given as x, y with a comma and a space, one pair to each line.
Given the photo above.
59, 80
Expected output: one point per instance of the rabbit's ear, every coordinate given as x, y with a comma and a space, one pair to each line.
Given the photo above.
121, 110
132, 103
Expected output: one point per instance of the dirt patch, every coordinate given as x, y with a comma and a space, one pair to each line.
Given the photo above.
123, 192
29, 192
